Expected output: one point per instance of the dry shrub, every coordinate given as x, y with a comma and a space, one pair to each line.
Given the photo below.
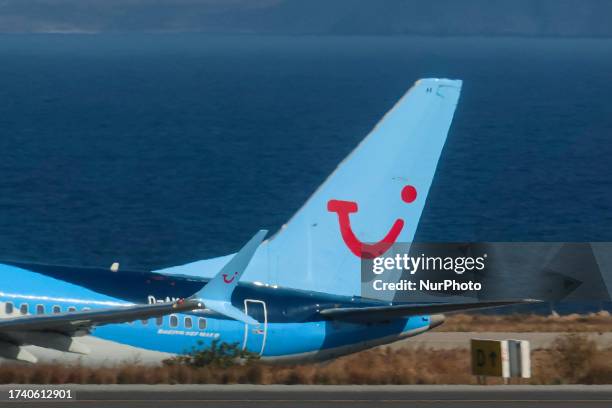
384, 366
593, 322
377, 366
572, 359
600, 371
573, 356
14, 373
101, 375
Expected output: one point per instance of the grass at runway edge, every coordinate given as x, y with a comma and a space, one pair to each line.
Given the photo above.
572, 359
594, 322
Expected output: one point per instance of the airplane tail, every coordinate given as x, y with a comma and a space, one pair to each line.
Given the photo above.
373, 199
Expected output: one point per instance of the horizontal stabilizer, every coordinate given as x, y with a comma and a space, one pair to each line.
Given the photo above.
217, 293
223, 284
382, 313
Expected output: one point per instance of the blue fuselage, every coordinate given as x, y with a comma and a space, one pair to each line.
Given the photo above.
290, 326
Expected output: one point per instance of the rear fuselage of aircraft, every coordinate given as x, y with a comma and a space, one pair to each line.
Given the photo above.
290, 327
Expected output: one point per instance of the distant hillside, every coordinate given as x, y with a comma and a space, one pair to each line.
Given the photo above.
343, 17
440, 17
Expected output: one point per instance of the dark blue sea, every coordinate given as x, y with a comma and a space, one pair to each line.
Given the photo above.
156, 150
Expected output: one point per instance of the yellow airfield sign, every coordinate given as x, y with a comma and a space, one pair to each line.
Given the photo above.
490, 358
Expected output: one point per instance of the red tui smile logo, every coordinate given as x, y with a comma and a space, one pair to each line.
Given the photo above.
367, 251
229, 280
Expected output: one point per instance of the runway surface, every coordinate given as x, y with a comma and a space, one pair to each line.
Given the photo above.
183, 396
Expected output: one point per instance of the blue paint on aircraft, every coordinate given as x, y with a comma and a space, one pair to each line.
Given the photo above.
273, 337
311, 264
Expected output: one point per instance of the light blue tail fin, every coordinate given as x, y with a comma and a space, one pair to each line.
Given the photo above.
374, 198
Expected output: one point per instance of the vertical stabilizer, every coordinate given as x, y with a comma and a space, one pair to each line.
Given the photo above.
373, 199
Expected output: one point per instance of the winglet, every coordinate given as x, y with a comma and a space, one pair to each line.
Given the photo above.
217, 293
